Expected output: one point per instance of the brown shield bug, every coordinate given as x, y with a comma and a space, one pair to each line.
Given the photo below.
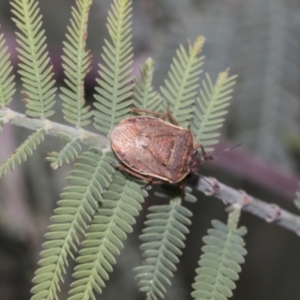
151, 148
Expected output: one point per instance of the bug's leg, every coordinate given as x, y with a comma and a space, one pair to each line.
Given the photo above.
149, 112
148, 179
171, 118
151, 181
133, 173
227, 149
155, 181
181, 186
205, 156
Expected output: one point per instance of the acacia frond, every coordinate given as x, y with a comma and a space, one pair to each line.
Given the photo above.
23, 151
114, 91
70, 151
120, 205
168, 191
35, 68
297, 200
92, 174
182, 84
144, 94
188, 196
220, 264
163, 237
76, 64
211, 107
7, 84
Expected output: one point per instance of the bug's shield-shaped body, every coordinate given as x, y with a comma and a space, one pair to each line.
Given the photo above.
155, 148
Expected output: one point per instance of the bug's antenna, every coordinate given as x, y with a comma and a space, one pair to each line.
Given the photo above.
226, 149
202, 177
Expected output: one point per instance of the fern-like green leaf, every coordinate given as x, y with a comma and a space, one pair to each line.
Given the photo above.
35, 68
76, 64
168, 191
92, 174
67, 154
23, 151
220, 264
181, 86
120, 205
297, 200
113, 98
7, 84
163, 237
144, 94
211, 107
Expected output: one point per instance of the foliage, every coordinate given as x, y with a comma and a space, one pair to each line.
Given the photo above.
220, 264
144, 95
99, 205
113, 98
24, 150
212, 102
91, 176
7, 83
163, 238
121, 203
76, 64
181, 87
297, 200
35, 68
70, 151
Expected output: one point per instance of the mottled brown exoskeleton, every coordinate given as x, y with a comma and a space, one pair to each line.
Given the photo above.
151, 148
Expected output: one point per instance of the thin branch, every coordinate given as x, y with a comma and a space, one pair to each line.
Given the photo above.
269, 212
209, 186
88, 138
247, 166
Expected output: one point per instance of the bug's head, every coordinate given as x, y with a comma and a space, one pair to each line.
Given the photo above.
194, 161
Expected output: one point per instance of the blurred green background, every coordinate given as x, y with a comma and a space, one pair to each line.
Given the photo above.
258, 40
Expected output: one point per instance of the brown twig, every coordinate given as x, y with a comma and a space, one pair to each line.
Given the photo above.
87, 137
269, 212
209, 186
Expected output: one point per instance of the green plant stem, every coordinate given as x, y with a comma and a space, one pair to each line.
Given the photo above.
88, 138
